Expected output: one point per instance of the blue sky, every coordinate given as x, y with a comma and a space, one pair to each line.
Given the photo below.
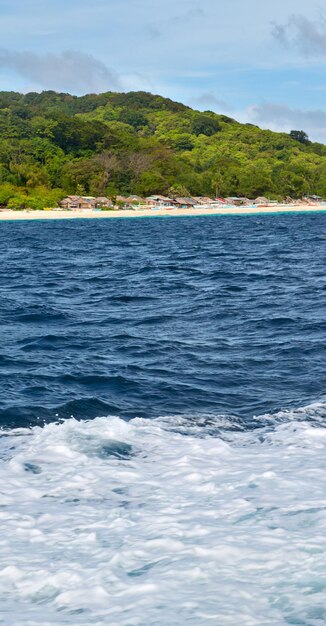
256, 61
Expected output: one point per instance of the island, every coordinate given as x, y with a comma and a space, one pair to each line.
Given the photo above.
121, 154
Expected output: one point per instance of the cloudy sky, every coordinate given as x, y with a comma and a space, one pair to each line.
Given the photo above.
261, 62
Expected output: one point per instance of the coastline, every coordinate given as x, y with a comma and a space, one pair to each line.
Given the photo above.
6, 215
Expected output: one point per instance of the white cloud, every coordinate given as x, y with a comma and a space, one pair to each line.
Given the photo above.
281, 117
208, 101
307, 35
71, 71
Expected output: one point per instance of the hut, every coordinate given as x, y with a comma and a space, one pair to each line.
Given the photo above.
70, 203
77, 203
204, 200
236, 201
123, 202
87, 203
314, 199
103, 202
261, 201
159, 201
135, 200
184, 203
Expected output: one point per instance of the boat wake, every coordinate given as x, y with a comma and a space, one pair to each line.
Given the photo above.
165, 522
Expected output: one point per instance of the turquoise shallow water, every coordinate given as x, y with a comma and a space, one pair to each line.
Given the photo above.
162, 453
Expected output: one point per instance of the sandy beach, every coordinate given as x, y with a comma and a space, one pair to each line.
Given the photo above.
87, 214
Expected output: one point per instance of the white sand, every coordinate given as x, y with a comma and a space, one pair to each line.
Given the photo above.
53, 215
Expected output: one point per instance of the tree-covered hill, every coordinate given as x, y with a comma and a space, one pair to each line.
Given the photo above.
53, 144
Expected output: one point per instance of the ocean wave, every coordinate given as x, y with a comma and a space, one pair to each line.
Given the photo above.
166, 521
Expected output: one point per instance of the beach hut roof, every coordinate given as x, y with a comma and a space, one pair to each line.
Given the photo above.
157, 197
189, 201
261, 200
237, 199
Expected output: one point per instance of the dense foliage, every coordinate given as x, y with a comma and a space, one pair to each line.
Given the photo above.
56, 144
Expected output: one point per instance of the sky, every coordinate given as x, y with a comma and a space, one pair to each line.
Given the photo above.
257, 61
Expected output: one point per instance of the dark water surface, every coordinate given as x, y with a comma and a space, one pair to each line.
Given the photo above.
150, 317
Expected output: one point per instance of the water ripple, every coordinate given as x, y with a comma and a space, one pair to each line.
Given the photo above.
149, 317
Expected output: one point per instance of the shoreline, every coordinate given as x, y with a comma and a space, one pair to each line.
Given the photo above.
6, 215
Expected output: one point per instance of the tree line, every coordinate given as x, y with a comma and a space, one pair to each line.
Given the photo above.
53, 144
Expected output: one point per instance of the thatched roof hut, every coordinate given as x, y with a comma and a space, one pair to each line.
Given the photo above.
77, 202
184, 202
261, 200
237, 201
103, 201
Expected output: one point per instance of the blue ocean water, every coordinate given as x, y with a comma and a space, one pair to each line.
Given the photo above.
163, 406
161, 316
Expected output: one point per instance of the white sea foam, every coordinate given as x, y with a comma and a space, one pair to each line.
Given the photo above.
138, 524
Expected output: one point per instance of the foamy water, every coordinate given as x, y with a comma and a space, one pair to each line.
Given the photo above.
164, 522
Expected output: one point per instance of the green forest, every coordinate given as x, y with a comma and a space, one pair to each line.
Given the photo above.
54, 144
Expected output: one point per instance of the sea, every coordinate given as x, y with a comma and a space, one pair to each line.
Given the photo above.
162, 421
